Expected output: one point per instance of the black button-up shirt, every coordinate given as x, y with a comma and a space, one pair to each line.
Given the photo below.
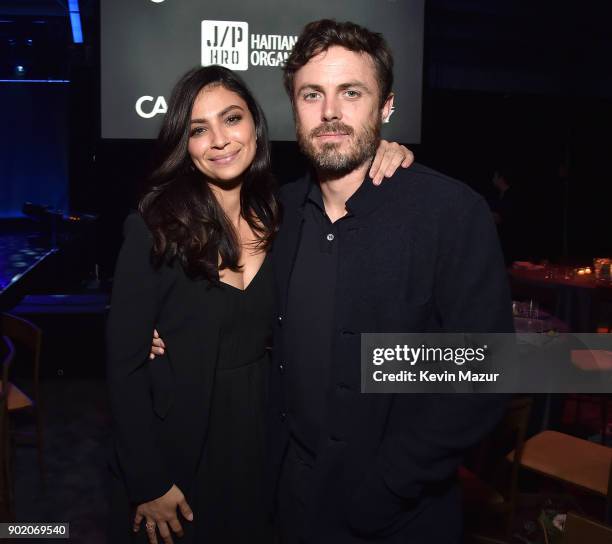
309, 322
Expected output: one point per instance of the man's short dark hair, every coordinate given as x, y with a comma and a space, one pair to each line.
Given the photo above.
319, 36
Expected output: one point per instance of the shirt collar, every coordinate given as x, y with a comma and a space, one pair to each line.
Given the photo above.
314, 194
363, 201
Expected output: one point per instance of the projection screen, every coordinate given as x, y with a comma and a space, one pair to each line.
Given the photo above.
146, 45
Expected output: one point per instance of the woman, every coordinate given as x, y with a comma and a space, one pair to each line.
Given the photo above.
188, 425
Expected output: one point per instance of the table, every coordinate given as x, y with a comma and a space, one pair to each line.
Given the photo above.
580, 301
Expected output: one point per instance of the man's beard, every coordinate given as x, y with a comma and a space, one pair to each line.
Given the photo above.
328, 159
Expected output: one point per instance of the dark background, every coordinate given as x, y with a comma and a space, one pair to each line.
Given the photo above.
505, 83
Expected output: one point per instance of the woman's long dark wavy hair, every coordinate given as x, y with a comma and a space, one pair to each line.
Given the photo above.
177, 204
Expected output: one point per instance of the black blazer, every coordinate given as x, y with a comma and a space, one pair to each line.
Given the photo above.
420, 254
160, 408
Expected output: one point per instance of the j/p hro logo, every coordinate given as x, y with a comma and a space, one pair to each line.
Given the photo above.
225, 43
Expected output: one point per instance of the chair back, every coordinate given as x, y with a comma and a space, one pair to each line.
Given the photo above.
28, 337
7, 353
517, 420
507, 436
490, 463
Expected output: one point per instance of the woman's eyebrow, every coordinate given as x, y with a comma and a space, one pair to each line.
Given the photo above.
221, 113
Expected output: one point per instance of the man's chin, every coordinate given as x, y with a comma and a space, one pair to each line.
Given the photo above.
332, 159
338, 165
328, 147
333, 152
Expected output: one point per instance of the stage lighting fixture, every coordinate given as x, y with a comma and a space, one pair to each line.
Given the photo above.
20, 70
43, 212
75, 21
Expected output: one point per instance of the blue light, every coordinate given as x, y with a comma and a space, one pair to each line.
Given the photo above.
77, 33
19, 69
75, 21
34, 81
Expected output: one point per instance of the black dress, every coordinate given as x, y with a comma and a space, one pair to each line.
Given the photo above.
229, 502
217, 363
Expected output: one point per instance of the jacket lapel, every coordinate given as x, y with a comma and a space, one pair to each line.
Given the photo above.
288, 238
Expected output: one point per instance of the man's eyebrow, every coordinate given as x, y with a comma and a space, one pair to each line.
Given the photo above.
310, 87
357, 84
221, 113
342, 87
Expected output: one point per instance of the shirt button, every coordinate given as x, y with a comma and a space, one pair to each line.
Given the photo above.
281, 368
280, 319
283, 416
330, 237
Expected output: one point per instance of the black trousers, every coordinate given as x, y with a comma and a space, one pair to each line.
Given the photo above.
295, 498
294, 495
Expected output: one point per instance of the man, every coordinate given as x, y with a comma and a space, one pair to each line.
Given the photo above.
510, 215
419, 253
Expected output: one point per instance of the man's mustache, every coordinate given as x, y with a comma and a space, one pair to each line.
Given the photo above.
335, 127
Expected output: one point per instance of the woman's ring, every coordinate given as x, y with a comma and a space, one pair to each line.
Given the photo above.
150, 526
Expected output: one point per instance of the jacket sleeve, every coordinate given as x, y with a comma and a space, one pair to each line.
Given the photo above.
133, 314
428, 434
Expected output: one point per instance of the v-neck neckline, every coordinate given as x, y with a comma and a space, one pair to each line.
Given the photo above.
246, 287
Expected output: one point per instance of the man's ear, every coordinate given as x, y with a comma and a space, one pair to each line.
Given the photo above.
387, 109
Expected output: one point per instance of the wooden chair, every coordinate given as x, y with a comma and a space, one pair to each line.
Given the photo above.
571, 460
7, 352
581, 530
598, 361
28, 338
490, 491
601, 399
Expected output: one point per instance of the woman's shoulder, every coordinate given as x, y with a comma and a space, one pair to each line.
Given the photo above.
135, 225
136, 231
137, 238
